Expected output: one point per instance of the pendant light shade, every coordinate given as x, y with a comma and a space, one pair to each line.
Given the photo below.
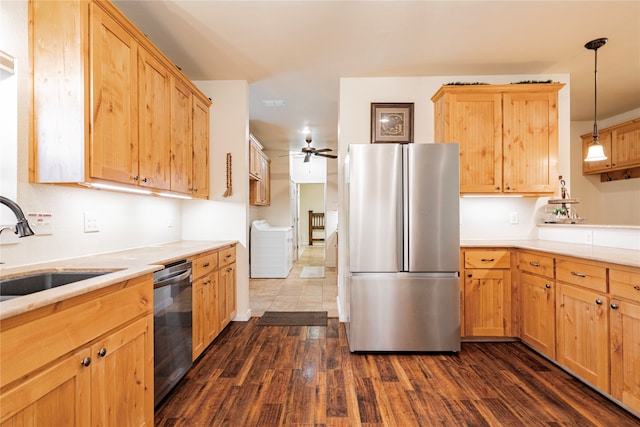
595, 152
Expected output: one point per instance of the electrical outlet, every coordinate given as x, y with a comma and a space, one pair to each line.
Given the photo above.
90, 222
514, 218
588, 237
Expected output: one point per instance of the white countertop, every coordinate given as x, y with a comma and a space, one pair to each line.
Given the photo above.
626, 257
126, 264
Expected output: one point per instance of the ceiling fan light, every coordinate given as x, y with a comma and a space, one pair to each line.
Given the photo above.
595, 153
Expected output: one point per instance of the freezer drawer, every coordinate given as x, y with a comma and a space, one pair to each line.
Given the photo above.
404, 312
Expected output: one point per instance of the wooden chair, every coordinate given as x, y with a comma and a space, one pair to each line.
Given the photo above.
316, 222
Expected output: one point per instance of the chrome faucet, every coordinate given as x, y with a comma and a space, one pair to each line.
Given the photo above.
22, 228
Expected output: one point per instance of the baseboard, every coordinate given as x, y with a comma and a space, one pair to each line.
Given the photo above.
242, 317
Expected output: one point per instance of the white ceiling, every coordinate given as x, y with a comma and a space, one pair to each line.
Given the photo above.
296, 51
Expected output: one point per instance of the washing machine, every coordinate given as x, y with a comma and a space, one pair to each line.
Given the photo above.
271, 250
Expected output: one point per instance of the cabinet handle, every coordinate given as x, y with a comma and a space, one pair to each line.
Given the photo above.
488, 259
135, 178
508, 187
614, 306
534, 264
228, 256
578, 274
498, 187
206, 282
637, 287
548, 286
229, 270
144, 179
102, 352
207, 265
86, 361
599, 301
469, 275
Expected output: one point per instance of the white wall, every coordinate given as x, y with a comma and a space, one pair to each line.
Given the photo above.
226, 218
611, 203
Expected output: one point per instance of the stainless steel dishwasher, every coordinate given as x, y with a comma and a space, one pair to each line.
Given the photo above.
172, 326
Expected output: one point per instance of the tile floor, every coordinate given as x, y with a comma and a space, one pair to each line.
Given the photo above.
295, 293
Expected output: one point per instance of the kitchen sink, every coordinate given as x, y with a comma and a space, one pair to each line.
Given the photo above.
25, 285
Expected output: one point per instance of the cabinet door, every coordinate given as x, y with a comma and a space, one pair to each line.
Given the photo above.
530, 138
181, 137
487, 304
154, 145
537, 297
113, 151
602, 165
254, 161
58, 396
200, 149
198, 317
625, 146
625, 353
212, 319
227, 295
582, 334
122, 376
475, 122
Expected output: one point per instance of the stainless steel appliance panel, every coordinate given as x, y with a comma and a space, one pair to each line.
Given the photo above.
433, 205
404, 312
375, 208
172, 326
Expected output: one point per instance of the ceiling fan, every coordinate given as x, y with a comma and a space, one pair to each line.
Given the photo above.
308, 151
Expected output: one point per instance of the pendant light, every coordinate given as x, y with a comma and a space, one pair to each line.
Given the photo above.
595, 152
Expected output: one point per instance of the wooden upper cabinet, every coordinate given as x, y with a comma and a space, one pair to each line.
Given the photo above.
113, 66
474, 120
154, 141
255, 156
621, 144
508, 136
200, 154
530, 141
181, 137
106, 105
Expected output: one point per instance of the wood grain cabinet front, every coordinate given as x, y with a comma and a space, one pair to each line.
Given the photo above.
508, 136
486, 299
117, 94
214, 295
624, 308
536, 287
582, 315
84, 361
621, 144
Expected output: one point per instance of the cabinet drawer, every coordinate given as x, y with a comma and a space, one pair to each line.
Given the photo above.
227, 256
625, 284
487, 259
205, 264
536, 264
581, 274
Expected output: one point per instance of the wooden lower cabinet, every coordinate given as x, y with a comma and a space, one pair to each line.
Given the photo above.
214, 296
537, 298
486, 302
86, 362
583, 333
57, 396
625, 336
536, 289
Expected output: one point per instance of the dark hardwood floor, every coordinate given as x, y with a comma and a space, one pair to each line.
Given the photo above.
305, 376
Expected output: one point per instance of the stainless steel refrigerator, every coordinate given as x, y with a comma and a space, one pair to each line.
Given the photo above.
404, 247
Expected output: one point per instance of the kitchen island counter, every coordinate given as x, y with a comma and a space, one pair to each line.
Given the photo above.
121, 266
626, 257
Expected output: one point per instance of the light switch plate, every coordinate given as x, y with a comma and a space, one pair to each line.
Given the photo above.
588, 237
514, 218
90, 222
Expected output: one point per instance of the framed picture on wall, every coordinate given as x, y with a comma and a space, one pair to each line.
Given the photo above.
392, 122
